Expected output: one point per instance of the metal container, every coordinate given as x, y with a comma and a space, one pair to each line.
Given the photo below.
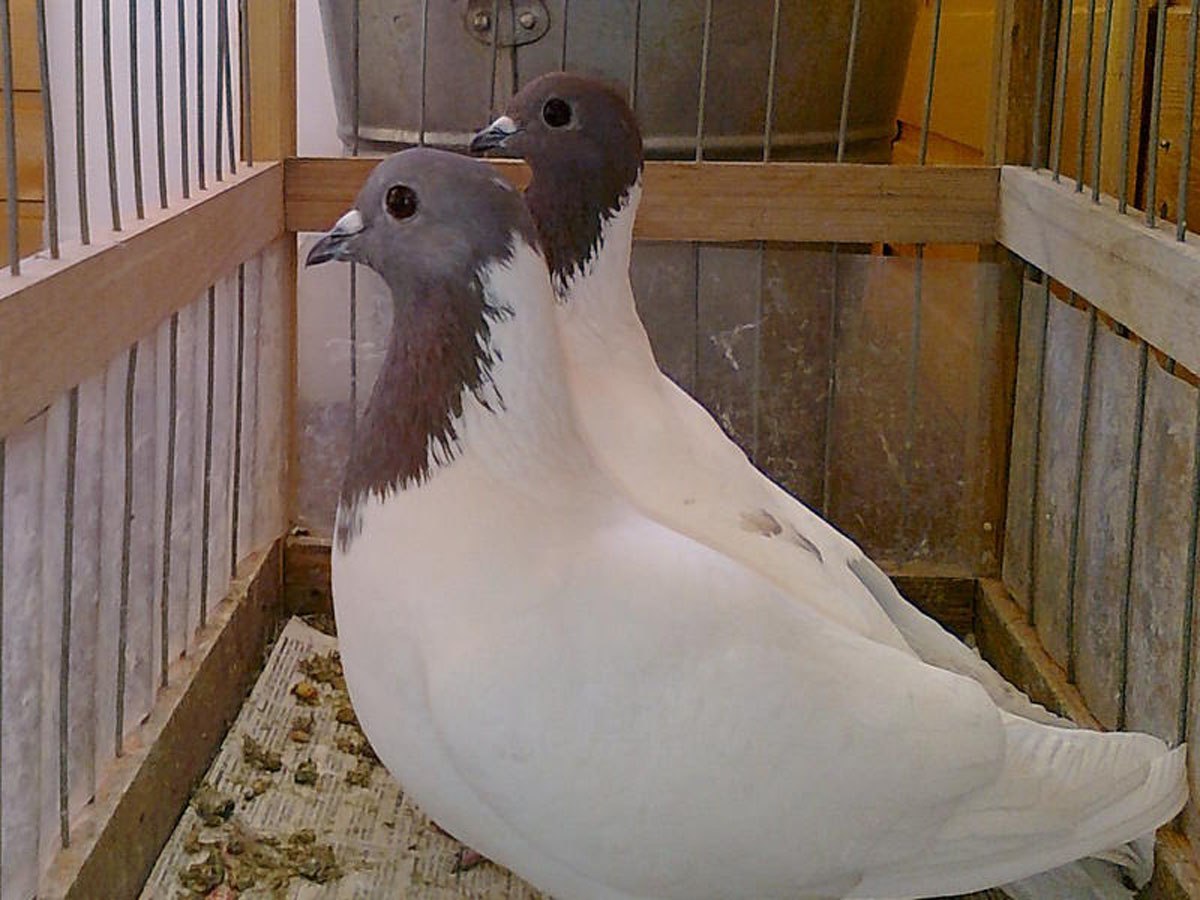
439, 69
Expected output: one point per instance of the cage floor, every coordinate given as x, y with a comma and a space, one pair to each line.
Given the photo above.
296, 807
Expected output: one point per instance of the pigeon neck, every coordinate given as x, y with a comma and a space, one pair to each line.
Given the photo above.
572, 205
471, 370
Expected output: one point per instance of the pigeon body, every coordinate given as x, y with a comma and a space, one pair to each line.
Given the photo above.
607, 706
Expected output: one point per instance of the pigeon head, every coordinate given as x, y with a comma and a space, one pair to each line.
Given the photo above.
427, 217
433, 224
583, 145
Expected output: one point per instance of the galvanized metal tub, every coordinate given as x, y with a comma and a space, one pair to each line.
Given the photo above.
427, 69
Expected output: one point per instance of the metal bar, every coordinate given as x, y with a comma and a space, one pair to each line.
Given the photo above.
169, 502
1127, 106
1040, 86
1189, 601
64, 637
201, 175
206, 490
1131, 531
844, 120
1098, 135
634, 58
933, 52
48, 129
10, 143
914, 364
1085, 88
228, 66
219, 120
831, 389
135, 111
110, 127
708, 6
566, 10
1036, 462
126, 550
1155, 113
1089, 366
1060, 102
160, 134
495, 54
353, 348
184, 177
244, 80
356, 103
356, 73
772, 74
85, 235
1189, 111
238, 416
425, 65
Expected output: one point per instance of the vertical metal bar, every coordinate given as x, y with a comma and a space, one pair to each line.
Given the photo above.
1060, 88
831, 388
238, 416
85, 234
847, 82
634, 57
565, 18
201, 175
1036, 462
169, 501
206, 500
1085, 87
1189, 602
10, 142
110, 128
160, 134
219, 118
1160, 41
135, 111
1131, 531
772, 74
704, 44
48, 132
356, 73
244, 80
1098, 134
64, 644
356, 101
184, 175
495, 54
1189, 111
227, 66
1127, 106
933, 53
1089, 366
425, 65
1039, 89
126, 549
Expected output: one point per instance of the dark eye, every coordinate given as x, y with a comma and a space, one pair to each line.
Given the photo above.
556, 113
401, 201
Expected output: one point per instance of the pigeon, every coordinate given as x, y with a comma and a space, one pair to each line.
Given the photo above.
661, 446
607, 706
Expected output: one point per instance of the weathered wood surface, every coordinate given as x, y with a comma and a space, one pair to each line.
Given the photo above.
1064, 377
663, 275
722, 202
1161, 582
1105, 506
1022, 471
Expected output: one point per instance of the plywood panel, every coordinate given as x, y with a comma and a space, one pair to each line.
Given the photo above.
663, 276
1022, 473
1105, 507
1160, 582
1062, 397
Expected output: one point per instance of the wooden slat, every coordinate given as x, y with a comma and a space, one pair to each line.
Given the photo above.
738, 201
27, 106
62, 320
1142, 277
272, 30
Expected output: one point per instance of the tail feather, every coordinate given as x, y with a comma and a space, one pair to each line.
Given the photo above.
1063, 795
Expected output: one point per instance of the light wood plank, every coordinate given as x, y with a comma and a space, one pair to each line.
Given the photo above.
738, 201
1142, 277
96, 300
272, 36
27, 106
1172, 124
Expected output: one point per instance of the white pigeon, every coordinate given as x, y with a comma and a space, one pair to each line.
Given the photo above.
663, 448
610, 708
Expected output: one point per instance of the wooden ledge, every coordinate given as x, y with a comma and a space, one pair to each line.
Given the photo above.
732, 201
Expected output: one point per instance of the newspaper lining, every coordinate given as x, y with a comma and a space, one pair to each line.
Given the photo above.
383, 845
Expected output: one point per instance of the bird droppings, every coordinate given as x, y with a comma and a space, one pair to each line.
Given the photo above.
325, 668
306, 692
259, 757
211, 805
360, 775
302, 728
306, 773
345, 715
240, 859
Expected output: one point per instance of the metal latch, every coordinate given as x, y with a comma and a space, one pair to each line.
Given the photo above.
521, 22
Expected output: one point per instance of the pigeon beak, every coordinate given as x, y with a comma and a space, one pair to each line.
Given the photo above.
336, 244
495, 135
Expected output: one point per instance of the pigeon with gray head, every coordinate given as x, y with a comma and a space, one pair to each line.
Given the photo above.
609, 707
663, 449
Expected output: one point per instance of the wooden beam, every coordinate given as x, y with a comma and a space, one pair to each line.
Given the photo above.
117, 839
1140, 276
271, 32
62, 320
801, 202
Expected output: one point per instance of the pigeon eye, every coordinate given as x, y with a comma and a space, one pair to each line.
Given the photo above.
400, 202
556, 113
